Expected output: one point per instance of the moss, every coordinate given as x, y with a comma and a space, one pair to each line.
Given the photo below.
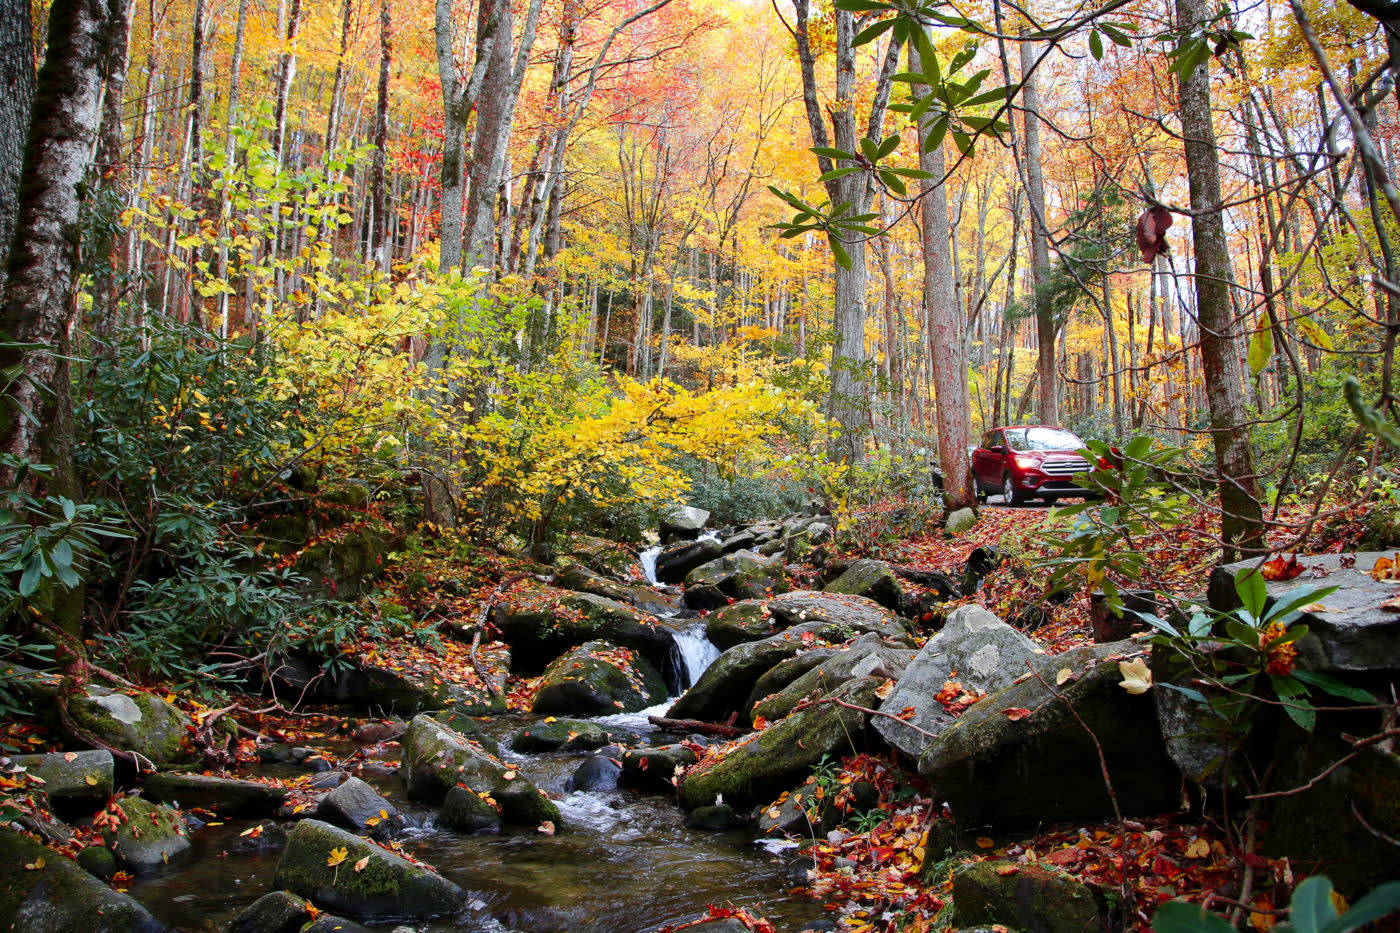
1023, 896
60, 897
598, 677
736, 624
155, 729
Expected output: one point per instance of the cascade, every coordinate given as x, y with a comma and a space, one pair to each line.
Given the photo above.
691, 653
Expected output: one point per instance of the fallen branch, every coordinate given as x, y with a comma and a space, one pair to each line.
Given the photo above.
696, 725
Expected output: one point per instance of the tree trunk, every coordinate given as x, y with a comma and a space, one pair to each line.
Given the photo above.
1048, 394
1241, 521
378, 242
16, 93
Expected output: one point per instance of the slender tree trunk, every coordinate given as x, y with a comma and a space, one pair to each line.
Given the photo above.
16, 94
1048, 395
1241, 521
378, 242
338, 84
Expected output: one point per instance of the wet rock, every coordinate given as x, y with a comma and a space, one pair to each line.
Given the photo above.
733, 625
267, 836
719, 692
226, 796
150, 837
1024, 897
98, 861
358, 807
57, 896
597, 774
798, 813
278, 912
74, 782
942, 842
739, 541
1354, 634
682, 523
960, 522
466, 811
389, 886
718, 926
715, 817
1039, 765
741, 575
458, 721
704, 598
785, 672
645, 598
545, 623
673, 563
598, 678
867, 656
559, 735
436, 759
764, 763
655, 768
872, 579
987, 654
328, 923
328, 780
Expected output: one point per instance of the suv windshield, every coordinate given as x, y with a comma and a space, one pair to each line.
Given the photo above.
1041, 439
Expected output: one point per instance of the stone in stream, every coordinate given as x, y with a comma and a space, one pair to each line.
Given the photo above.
388, 887
872, 579
552, 734
741, 575
542, 623
597, 774
598, 678
655, 768
733, 625
44, 892
645, 598
226, 796
1023, 897
437, 759
466, 811
326, 923
278, 912
98, 861
765, 763
150, 836
717, 817
267, 836
867, 656
674, 562
987, 654
358, 807
1352, 634
74, 782
1038, 764
460, 722
682, 523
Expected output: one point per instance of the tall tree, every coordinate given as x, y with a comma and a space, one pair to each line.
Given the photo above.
1048, 392
1241, 523
379, 202
16, 93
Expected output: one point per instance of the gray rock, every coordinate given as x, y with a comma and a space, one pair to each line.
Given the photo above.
739, 541
278, 912
437, 759
544, 623
1024, 897
57, 896
597, 774
267, 836
853, 614
987, 654
873, 579
389, 887
785, 672
1353, 634
139, 722
673, 563
645, 598
466, 811
74, 781
151, 836
226, 796
961, 521
867, 656
467, 726
1039, 765
415, 687
598, 678
559, 735
655, 768
358, 807
740, 575
682, 523
797, 813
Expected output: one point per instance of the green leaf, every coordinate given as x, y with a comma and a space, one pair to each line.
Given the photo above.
935, 137
1261, 349
840, 172
33, 573
1311, 908
843, 258
890, 144
989, 97
1329, 684
963, 142
1095, 45
1181, 917
831, 153
893, 183
1382, 901
1253, 592
871, 33
1294, 697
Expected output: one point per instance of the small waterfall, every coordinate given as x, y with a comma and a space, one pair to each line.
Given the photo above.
691, 653
648, 561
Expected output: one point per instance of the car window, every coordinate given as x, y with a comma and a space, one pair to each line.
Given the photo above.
1042, 439
988, 440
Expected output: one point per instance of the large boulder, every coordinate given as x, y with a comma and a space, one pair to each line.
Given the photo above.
437, 759
764, 764
1020, 757
541, 624
409, 684
872, 579
44, 892
741, 575
149, 837
674, 562
598, 678
785, 672
682, 523
867, 656
319, 864
975, 649
646, 598
74, 782
137, 722
1023, 897
598, 554
552, 734
1354, 633
278, 912
852, 614
226, 796
358, 807
727, 682
749, 620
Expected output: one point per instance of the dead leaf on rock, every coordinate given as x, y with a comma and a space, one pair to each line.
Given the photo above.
1385, 569
1281, 568
1137, 677
1199, 848
1392, 604
1016, 713
1064, 675
546, 828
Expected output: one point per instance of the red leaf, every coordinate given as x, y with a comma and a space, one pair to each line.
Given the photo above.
1151, 232
1016, 713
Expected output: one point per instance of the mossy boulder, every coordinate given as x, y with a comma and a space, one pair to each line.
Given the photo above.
960, 522
733, 625
655, 768
75, 782
345, 564
1024, 897
552, 734
389, 887
677, 560
785, 672
44, 892
150, 837
1020, 757
765, 763
437, 759
278, 912
845, 615
466, 811
867, 656
225, 796
741, 575
598, 678
417, 686
645, 598
599, 554
872, 579
329, 923
541, 623
137, 722
726, 683
467, 725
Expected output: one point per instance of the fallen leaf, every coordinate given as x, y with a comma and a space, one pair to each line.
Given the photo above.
1392, 604
1016, 713
1199, 848
509, 775
1385, 569
1281, 568
984, 843
337, 856
1137, 678
69, 757
360, 865
546, 828
1064, 675
91, 780
885, 689
1008, 869
35, 865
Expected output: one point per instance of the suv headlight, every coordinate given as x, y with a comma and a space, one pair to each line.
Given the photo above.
1027, 463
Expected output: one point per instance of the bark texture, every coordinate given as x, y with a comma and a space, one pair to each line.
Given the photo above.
16, 93
1048, 393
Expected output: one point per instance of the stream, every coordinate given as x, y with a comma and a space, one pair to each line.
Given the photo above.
622, 862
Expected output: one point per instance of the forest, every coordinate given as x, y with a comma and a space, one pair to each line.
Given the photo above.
527, 449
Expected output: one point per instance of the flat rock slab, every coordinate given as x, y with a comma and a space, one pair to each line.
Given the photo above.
226, 796
43, 892
1353, 633
72, 780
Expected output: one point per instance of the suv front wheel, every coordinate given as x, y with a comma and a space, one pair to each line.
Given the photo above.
1009, 493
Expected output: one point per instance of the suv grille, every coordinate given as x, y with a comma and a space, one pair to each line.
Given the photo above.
1066, 467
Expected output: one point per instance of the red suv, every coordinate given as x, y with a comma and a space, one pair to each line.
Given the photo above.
1028, 462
